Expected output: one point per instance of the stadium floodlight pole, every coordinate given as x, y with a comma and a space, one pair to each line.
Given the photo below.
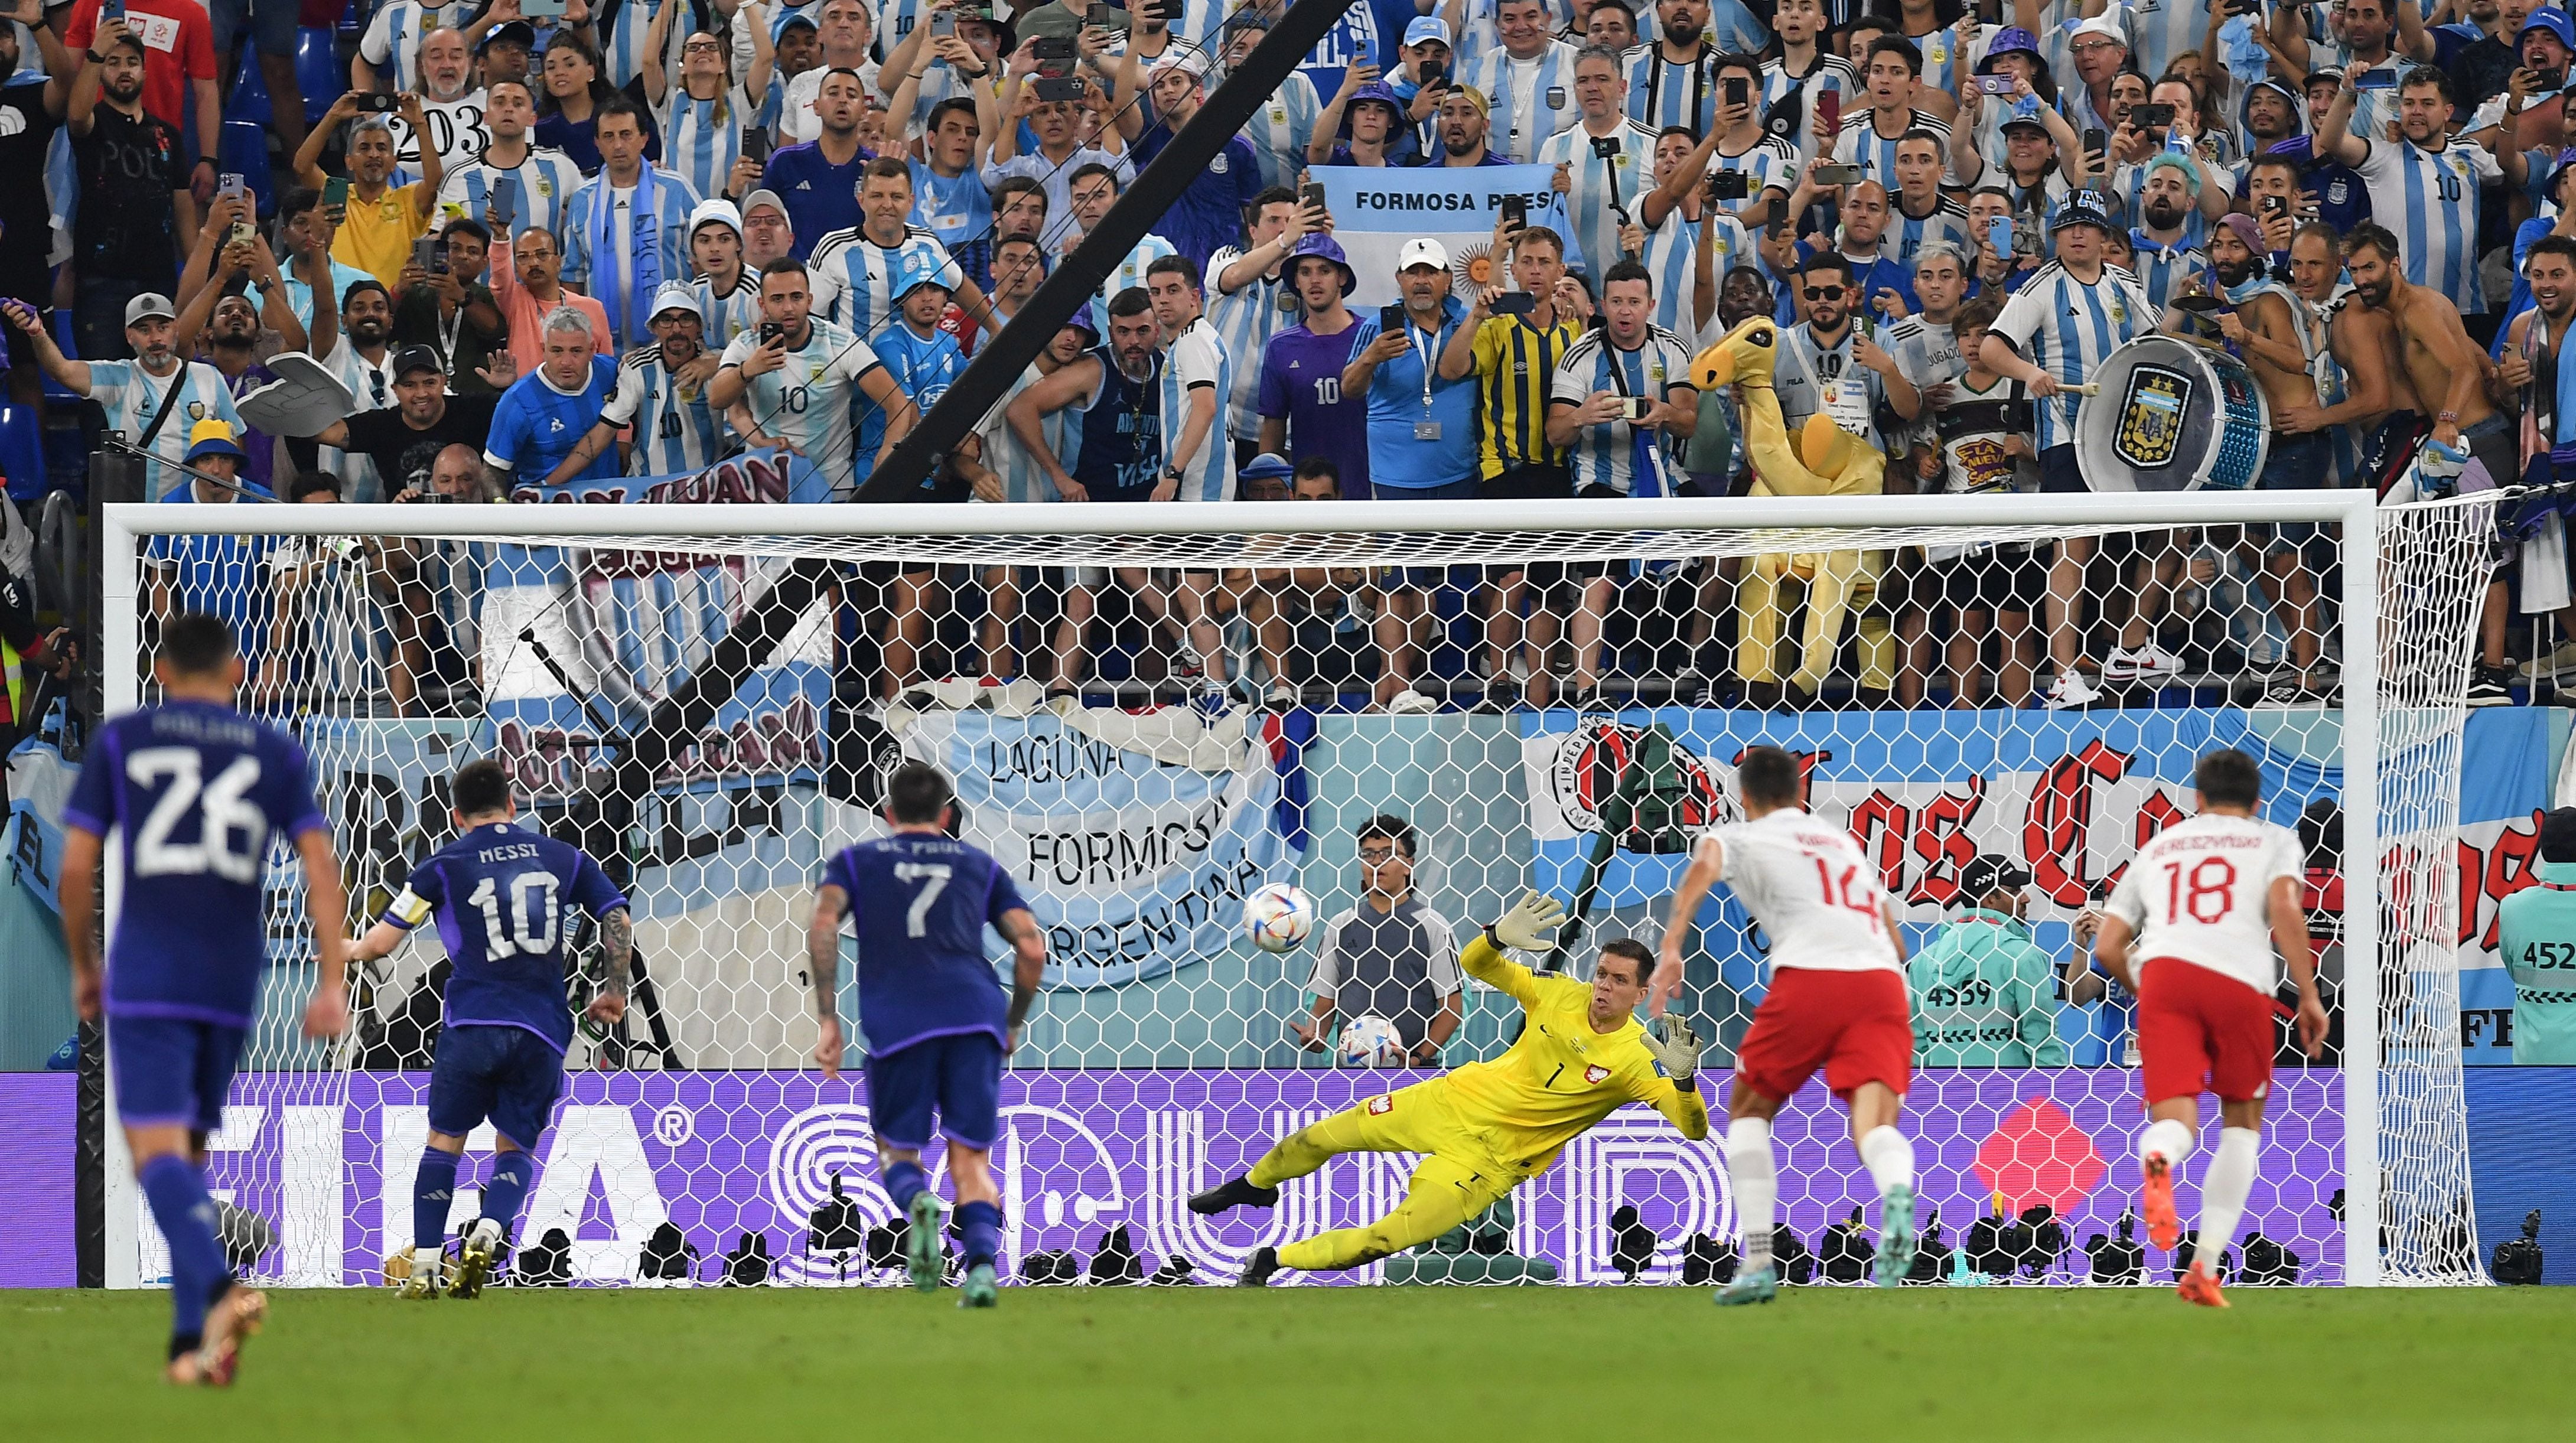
1078, 278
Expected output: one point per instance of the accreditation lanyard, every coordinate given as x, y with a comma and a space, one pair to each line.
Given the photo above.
1425, 429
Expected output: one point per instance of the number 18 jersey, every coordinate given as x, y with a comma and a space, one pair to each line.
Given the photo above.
2202, 892
919, 905
1815, 893
503, 897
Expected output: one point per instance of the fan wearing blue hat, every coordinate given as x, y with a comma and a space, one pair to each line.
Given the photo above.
1304, 411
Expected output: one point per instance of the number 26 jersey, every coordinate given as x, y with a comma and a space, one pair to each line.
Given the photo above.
503, 897
2202, 892
1814, 891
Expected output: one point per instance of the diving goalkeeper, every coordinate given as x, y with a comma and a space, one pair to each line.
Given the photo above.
1488, 1125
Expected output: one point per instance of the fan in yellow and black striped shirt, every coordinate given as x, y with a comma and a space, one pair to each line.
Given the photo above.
1514, 359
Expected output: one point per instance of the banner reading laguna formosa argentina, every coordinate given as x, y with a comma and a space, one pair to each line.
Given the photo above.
1135, 852
1377, 209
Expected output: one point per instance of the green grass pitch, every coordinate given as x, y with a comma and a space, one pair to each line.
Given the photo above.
1655, 1364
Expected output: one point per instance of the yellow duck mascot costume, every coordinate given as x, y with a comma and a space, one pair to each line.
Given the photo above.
1825, 460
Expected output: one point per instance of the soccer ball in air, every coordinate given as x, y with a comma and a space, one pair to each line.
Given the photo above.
1372, 1041
1278, 917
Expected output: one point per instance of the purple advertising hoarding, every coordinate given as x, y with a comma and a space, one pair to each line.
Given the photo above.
723, 1153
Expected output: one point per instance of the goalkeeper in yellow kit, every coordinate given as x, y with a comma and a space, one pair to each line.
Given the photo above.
1488, 1125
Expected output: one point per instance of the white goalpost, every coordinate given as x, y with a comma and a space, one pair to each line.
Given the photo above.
398, 641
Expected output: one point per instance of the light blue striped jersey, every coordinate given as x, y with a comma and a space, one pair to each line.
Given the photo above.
391, 42
1195, 359
1245, 320
1945, 62
547, 179
625, 52
1610, 453
701, 139
2159, 30
2431, 199
1588, 206
1861, 144
131, 396
729, 315
610, 279
853, 276
1280, 130
1665, 92
2162, 269
1057, 179
371, 382
2069, 328
1733, 29
1532, 100
1672, 252
1907, 235
807, 402
674, 430
1023, 479
1127, 273
299, 296
1832, 75
1770, 163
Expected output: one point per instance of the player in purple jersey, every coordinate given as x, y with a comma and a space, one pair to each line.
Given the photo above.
932, 1009
200, 792
500, 894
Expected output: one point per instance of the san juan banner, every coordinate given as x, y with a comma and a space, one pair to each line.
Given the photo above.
1376, 209
719, 1154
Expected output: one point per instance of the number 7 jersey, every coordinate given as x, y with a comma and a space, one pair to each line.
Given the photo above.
919, 905
503, 897
2202, 892
1813, 890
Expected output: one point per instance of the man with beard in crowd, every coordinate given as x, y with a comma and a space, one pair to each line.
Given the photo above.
1463, 129
2448, 371
234, 337
402, 439
450, 310
450, 101
2283, 342
661, 393
2164, 247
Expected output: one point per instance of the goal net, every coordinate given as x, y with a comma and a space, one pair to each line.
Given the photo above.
1413, 711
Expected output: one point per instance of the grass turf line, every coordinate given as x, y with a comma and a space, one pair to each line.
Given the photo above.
1214, 1363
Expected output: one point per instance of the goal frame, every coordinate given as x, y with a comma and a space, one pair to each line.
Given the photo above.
1153, 532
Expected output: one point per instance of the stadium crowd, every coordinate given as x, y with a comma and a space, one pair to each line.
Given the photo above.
543, 250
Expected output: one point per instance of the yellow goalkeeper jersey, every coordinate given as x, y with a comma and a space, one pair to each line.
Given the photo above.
1561, 1076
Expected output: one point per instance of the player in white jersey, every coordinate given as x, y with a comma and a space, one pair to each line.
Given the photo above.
2202, 907
1837, 1001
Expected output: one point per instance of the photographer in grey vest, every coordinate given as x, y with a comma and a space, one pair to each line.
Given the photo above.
1391, 955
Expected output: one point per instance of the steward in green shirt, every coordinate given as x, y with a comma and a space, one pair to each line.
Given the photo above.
1984, 994
2539, 948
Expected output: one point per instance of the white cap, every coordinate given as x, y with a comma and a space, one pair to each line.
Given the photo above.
716, 208
674, 296
2101, 25
1178, 60
1422, 251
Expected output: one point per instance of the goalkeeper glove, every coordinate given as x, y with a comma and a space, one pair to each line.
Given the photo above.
1530, 925
1677, 1050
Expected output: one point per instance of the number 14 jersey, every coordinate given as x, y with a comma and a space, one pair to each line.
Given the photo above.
2202, 892
919, 905
1814, 891
503, 897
